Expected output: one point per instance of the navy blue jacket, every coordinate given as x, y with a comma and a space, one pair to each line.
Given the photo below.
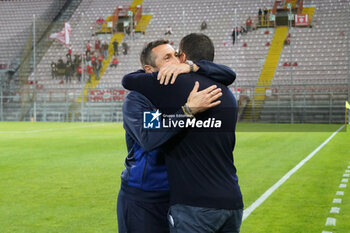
144, 166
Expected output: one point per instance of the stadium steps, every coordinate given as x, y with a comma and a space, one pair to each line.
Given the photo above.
143, 23
252, 111
94, 82
293, 2
310, 11
135, 3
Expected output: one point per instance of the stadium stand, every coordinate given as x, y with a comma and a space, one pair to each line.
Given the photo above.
16, 35
318, 67
309, 84
17, 18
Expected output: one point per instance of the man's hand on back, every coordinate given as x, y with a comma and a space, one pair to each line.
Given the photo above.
171, 71
199, 101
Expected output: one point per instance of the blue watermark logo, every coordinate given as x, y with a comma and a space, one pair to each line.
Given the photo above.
151, 120
156, 120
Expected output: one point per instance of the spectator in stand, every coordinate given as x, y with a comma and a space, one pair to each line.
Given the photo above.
60, 64
68, 71
69, 53
268, 18
233, 36
125, 48
100, 58
93, 59
88, 59
90, 72
266, 11
204, 25
115, 62
133, 34
100, 21
99, 65
105, 50
77, 60
88, 48
53, 70
69, 57
61, 67
98, 24
84, 68
94, 69
259, 15
74, 69
79, 73
249, 24
128, 30
70, 68
115, 48
169, 31
287, 42
98, 46
97, 69
242, 30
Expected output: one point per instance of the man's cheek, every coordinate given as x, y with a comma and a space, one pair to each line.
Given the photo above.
175, 61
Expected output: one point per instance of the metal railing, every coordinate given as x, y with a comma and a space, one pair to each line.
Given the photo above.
309, 103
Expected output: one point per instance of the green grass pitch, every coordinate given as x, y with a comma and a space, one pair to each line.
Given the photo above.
65, 177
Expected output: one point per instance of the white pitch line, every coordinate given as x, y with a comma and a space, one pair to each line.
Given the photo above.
334, 210
273, 188
340, 193
331, 222
52, 129
337, 200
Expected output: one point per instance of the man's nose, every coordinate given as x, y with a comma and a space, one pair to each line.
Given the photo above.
177, 60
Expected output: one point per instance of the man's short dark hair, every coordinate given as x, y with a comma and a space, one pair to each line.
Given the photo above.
197, 46
147, 57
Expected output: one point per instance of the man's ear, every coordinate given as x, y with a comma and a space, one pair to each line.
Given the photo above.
148, 69
183, 58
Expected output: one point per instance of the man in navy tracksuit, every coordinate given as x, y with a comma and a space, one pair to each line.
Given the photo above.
204, 191
143, 199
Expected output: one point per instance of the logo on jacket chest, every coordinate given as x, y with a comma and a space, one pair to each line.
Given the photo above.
151, 120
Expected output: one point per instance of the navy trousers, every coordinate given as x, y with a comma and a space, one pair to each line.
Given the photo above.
141, 217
